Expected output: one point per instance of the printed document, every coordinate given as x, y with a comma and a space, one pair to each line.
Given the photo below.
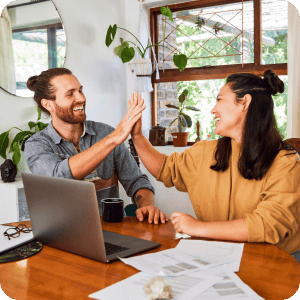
189, 256
212, 252
185, 287
231, 287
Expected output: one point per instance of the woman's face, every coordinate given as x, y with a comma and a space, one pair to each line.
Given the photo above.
229, 114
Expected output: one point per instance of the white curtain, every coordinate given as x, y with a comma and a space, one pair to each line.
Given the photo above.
7, 68
293, 106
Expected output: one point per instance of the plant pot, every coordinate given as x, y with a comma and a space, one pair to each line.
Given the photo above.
180, 139
142, 67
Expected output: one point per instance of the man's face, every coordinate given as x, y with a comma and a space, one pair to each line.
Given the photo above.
69, 105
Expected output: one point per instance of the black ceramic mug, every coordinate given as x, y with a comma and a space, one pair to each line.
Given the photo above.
112, 209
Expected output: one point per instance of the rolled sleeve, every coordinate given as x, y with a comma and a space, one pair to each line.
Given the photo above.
276, 218
42, 159
129, 174
178, 169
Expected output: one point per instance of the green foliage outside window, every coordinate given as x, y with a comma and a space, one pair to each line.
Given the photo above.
203, 94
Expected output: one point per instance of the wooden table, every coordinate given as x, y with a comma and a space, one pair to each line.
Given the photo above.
55, 274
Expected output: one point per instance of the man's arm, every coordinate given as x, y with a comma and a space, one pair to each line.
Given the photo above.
144, 200
85, 162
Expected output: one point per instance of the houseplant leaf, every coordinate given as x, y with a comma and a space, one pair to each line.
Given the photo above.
22, 143
41, 126
180, 61
120, 48
187, 120
110, 35
19, 138
171, 106
39, 113
167, 12
172, 122
4, 143
192, 108
182, 97
127, 54
31, 124
17, 154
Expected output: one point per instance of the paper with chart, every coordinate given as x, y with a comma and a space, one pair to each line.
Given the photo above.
187, 257
6, 244
184, 287
213, 252
231, 287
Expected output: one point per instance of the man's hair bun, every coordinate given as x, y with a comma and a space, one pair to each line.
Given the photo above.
273, 82
31, 82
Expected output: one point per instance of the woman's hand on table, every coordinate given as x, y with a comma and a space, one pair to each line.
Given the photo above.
184, 223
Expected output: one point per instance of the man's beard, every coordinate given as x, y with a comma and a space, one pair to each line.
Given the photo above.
67, 115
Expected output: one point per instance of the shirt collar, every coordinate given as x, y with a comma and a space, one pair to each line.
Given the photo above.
53, 134
87, 128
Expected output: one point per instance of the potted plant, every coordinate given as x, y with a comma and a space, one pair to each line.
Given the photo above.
17, 144
127, 53
180, 138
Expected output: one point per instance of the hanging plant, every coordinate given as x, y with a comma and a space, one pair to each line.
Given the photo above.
216, 28
127, 53
200, 22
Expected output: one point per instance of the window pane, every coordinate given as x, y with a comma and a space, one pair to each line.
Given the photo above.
61, 47
209, 36
202, 94
274, 29
30, 57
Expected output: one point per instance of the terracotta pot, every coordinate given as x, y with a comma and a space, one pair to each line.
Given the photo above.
180, 139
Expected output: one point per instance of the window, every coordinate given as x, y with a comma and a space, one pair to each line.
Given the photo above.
220, 38
38, 49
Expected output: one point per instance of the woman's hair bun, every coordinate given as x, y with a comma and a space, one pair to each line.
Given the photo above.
31, 82
273, 82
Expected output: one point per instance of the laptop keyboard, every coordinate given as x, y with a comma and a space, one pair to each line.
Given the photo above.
112, 248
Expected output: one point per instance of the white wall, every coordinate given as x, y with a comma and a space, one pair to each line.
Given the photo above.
99, 70
107, 82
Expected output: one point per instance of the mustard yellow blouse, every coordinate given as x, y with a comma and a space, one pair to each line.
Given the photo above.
271, 206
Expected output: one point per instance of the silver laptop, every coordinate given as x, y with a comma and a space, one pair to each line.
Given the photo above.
64, 214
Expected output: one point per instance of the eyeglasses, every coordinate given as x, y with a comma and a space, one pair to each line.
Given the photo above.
15, 231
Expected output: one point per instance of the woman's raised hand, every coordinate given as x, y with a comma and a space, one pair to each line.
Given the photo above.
133, 116
134, 101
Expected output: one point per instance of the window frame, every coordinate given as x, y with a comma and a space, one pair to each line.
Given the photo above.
213, 72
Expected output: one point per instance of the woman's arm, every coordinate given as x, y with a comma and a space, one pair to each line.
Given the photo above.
151, 158
235, 230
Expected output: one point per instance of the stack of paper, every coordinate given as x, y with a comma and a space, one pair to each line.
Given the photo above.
195, 270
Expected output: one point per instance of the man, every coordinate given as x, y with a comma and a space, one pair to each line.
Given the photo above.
74, 148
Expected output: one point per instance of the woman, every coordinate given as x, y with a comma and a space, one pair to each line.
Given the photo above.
244, 186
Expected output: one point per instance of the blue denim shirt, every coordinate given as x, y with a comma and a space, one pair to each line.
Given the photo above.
47, 154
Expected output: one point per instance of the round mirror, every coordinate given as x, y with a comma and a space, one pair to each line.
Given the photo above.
32, 40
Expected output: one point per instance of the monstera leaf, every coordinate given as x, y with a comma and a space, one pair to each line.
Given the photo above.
110, 35
167, 12
120, 48
180, 61
127, 54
